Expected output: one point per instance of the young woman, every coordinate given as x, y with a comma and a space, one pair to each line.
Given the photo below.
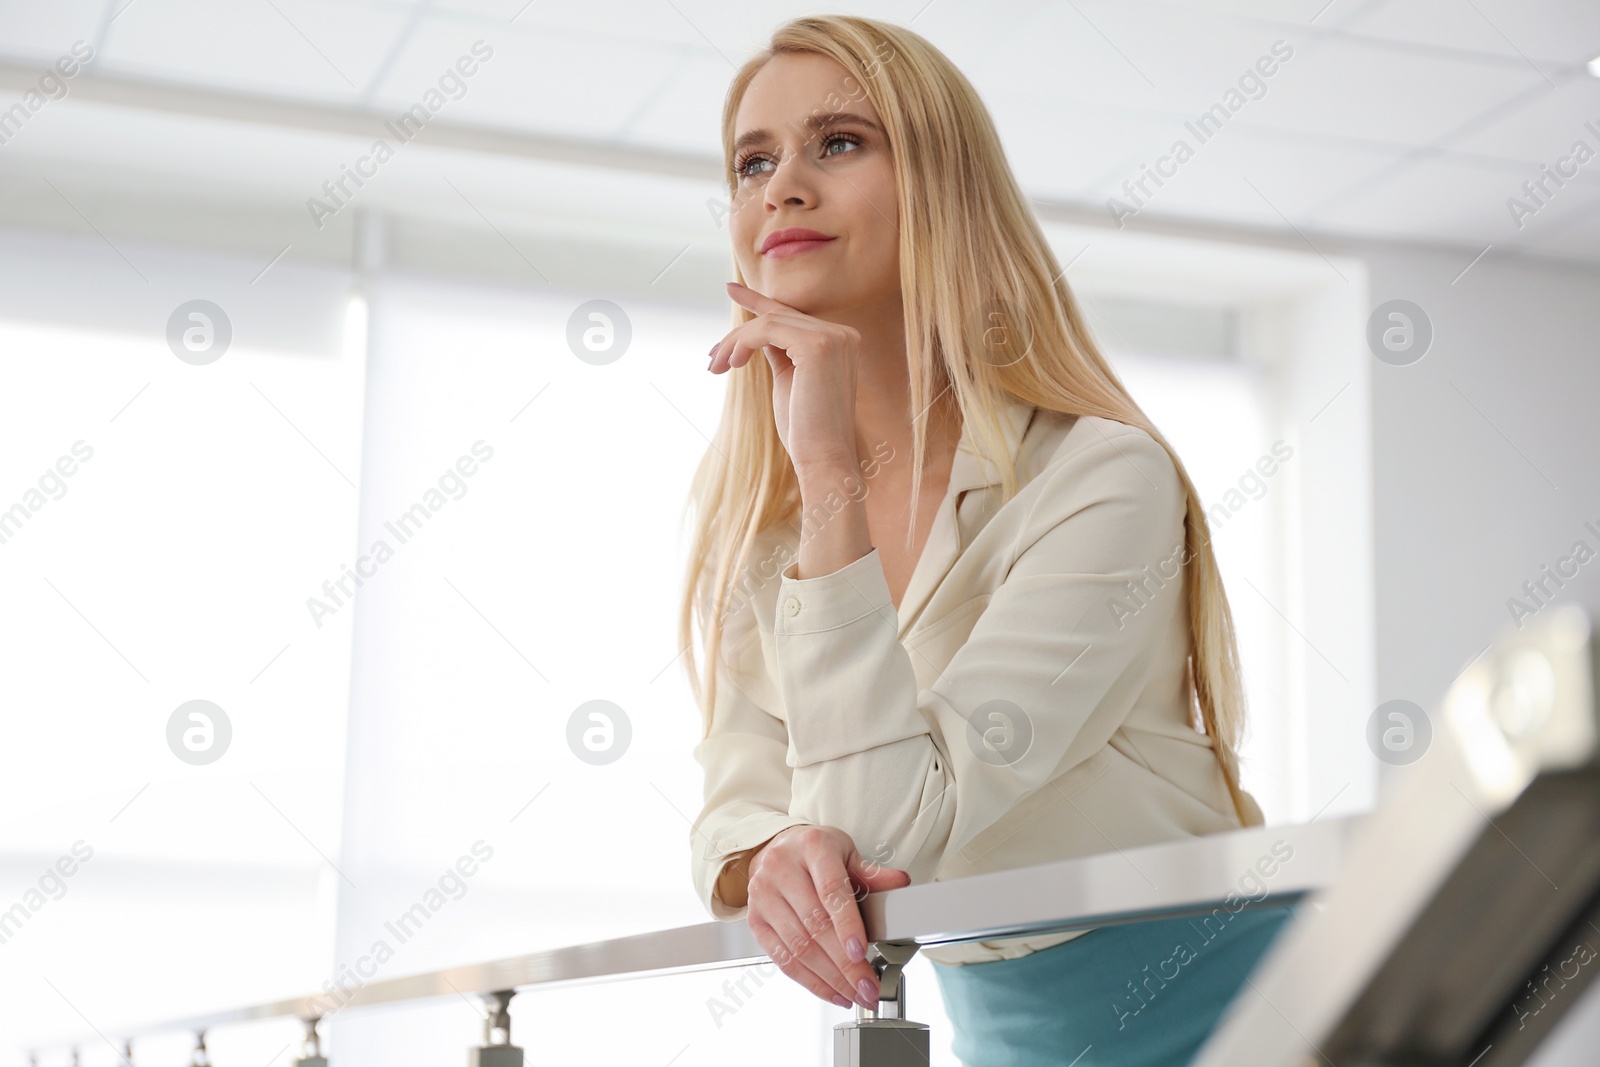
958, 591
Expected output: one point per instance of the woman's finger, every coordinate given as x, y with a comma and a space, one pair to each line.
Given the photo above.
758, 302
822, 877
857, 976
805, 930
837, 895
780, 331
779, 933
875, 877
791, 966
780, 361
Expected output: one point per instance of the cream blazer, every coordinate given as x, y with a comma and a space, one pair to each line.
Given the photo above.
1026, 703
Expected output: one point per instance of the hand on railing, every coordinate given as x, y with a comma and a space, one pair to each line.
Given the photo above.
804, 887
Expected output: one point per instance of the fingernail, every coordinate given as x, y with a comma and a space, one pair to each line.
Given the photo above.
856, 949
869, 996
839, 1000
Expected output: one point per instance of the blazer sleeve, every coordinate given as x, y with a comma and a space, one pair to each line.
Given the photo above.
1049, 671
746, 786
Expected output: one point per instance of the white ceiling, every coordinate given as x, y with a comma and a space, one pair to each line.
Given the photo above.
1414, 120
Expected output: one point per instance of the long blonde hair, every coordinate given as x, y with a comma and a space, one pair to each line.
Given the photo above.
987, 313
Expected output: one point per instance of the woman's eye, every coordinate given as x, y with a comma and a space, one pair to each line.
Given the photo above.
841, 138
743, 167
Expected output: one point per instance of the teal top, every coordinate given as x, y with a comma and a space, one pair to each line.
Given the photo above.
1129, 995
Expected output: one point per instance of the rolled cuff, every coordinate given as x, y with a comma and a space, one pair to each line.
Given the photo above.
854, 591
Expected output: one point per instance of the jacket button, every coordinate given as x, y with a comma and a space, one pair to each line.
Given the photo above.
791, 607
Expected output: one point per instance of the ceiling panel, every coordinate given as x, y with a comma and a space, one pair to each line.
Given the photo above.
655, 23
1254, 176
1062, 52
1447, 201
1543, 128
293, 48
979, 38
48, 30
1324, 12
1193, 60
1579, 235
1555, 31
1066, 152
684, 111
1355, 90
1411, 118
733, 29
562, 83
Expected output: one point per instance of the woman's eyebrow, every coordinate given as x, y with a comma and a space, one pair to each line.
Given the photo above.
814, 122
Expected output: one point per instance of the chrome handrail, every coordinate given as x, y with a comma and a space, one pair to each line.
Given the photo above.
1515, 752
1170, 879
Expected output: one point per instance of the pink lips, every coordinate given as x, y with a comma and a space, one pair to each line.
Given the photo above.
792, 242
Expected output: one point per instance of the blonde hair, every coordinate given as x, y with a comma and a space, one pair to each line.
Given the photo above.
987, 313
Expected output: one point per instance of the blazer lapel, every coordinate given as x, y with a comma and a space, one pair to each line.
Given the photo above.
968, 471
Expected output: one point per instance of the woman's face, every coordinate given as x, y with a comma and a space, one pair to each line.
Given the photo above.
816, 158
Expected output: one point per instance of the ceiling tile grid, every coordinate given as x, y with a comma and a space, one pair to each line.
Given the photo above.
1413, 119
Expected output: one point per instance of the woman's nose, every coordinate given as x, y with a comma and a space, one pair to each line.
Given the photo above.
788, 185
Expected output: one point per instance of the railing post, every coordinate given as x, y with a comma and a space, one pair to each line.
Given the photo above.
884, 1038
127, 1052
497, 1049
311, 1048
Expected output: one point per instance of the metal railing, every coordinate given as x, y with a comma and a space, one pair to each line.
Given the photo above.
1407, 957
1191, 876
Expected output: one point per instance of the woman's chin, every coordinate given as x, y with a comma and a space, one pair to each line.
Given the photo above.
811, 296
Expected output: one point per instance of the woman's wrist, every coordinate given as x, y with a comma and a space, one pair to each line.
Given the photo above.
834, 531
824, 473
733, 885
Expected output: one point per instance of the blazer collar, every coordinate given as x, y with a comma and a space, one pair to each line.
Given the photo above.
971, 471
968, 471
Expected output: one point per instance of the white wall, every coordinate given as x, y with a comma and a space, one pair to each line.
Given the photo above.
1484, 473
1484, 455
172, 564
